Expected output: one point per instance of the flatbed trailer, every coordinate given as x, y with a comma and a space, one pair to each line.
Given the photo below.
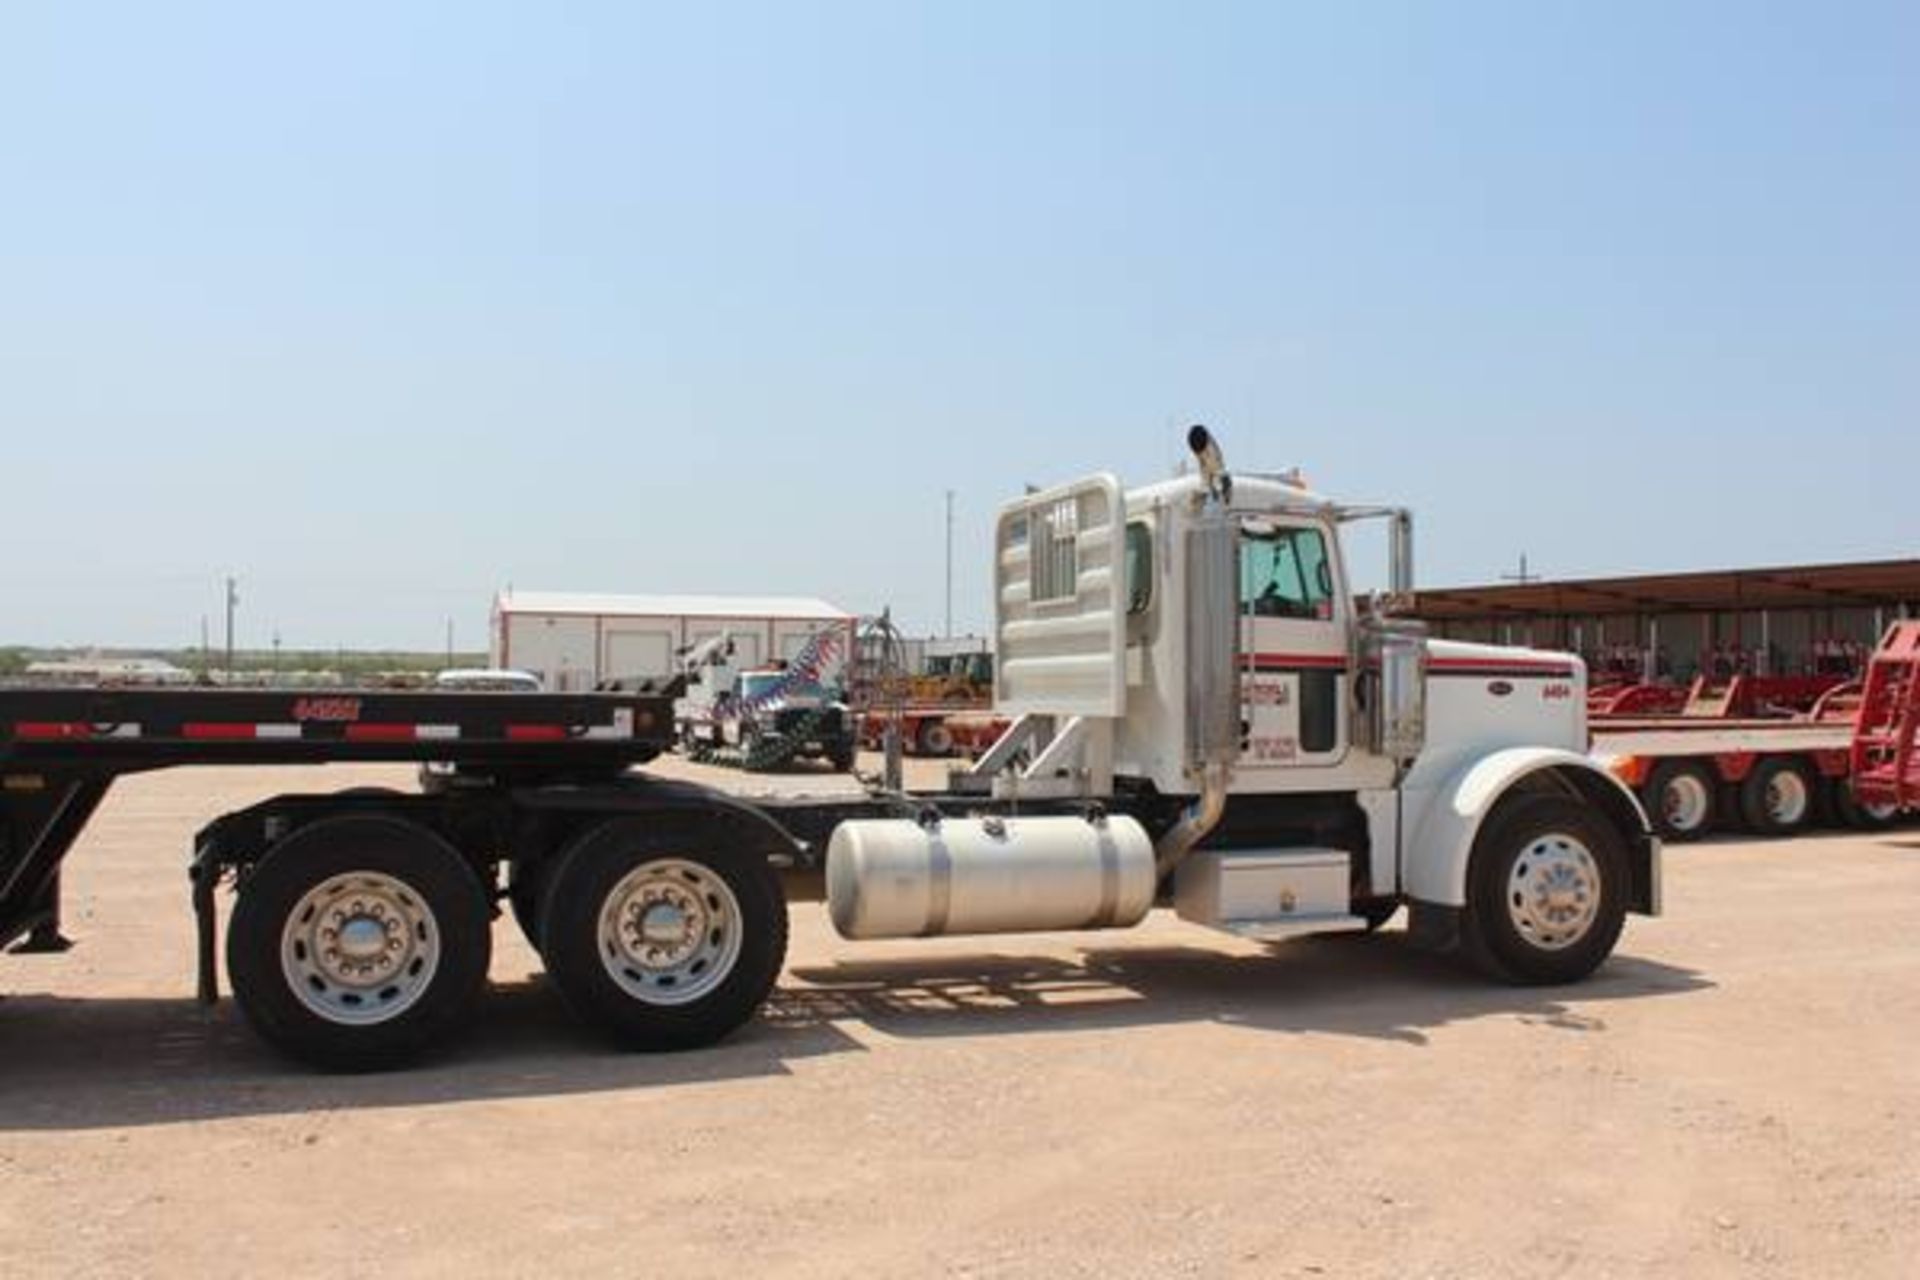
529, 794
1775, 777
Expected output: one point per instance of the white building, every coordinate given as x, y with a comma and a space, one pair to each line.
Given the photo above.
572, 641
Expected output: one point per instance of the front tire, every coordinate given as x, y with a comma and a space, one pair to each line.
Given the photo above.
358, 942
1546, 892
660, 943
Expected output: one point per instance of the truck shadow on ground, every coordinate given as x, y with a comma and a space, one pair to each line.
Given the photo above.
1376, 987
106, 1063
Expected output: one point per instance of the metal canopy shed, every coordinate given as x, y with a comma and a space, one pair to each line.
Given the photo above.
1774, 619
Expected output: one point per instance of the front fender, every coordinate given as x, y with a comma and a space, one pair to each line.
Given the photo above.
1444, 820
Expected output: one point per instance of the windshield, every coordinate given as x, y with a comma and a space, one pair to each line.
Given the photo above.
759, 684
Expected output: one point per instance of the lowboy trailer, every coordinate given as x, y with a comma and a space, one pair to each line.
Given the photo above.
1200, 714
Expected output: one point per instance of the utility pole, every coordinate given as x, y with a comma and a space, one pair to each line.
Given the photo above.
1523, 576
449, 643
949, 564
206, 648
233, 602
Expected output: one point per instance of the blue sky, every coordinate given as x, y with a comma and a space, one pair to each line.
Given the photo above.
382, 307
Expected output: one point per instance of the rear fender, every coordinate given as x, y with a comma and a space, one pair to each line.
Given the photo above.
674, 807
1447, 819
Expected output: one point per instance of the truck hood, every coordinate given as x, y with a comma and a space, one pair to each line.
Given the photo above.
1495, 659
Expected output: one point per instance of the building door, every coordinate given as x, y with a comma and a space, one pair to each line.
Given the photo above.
639, 655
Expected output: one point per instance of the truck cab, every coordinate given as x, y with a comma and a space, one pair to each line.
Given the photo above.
1197, 642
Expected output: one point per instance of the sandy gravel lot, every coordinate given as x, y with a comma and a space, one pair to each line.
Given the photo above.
1738, 1092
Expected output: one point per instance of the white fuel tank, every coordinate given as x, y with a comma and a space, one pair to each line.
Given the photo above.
894, 878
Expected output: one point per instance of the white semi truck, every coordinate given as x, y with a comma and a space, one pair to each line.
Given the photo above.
1202, 715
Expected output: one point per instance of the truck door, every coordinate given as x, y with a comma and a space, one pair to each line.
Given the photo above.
1294, 643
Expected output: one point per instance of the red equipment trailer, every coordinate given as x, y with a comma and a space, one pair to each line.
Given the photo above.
1885, 761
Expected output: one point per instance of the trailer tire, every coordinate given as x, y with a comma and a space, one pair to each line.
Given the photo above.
1680, 798
663, 942
419, 917
934, 738
1848, 810
1777, 797
1547, 889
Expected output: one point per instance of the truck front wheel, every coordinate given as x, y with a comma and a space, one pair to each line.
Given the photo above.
1546, 892
358, 942
661, 944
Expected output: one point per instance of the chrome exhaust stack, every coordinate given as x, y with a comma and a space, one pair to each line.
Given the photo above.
1213, 655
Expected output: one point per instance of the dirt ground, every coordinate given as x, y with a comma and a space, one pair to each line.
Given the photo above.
1738, 1091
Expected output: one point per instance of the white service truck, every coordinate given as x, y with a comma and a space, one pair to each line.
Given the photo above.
1202, 715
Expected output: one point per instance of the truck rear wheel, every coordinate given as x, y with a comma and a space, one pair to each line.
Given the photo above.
1679, 798
357, 942
659, 943
1546, 892
1777, 797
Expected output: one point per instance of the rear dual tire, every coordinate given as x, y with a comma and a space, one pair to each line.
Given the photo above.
658, 943
359, 942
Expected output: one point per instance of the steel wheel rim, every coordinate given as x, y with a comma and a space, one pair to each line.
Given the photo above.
1553, 892
670, 931
360, 948
1684, 802
1787, 797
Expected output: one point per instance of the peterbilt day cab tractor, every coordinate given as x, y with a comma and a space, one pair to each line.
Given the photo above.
1202, 715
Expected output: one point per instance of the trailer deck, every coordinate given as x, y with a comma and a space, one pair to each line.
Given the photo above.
61, 749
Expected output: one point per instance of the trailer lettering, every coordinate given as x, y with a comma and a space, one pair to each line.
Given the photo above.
332, 710
1557, 692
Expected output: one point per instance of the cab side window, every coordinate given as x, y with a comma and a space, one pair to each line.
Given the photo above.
1285, 573
1139, 567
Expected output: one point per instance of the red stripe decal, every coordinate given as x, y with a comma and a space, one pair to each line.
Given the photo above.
202, 732
536, 732
1317, 661
45, 730
380, 733
1502, 664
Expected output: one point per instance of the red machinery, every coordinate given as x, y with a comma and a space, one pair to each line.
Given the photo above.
1885, 761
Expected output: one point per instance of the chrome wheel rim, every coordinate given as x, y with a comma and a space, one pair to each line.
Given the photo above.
670, 932
360, 948
1787, 798
1553, 893
1684, 802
